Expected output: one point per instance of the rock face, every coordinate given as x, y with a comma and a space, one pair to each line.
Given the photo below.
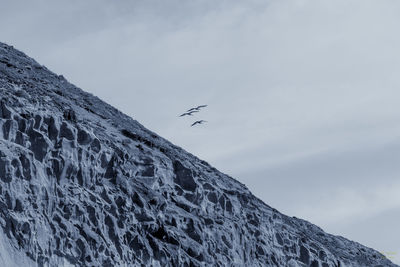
83, 184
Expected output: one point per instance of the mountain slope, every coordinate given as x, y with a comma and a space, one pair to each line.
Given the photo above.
83, 184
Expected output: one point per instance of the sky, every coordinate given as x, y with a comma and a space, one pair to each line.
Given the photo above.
303, 94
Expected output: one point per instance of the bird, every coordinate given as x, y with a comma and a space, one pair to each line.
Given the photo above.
197, 108
202, 106
198, 122
188, 113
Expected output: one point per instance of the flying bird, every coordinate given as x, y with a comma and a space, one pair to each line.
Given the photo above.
202, 106
188, 113
197, 108
198, 122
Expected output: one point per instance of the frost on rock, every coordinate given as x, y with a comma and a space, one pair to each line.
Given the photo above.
82, 184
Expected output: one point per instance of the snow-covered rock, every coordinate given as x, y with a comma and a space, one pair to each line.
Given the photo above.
82, 184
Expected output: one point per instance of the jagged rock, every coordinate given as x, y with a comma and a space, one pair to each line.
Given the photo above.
9, 129
5, 113
26, 166
184, 177
39, 145
95, 145
5, 172
66, 131
22, 125
304, 255
78, 190
84, 137
52, 129
38, 122
70, 115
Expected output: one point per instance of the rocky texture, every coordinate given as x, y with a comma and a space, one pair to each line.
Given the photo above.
83, 184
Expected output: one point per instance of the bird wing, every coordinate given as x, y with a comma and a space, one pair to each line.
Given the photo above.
201, 106
198, 122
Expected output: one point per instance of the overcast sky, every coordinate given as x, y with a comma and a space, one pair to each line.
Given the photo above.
303, 95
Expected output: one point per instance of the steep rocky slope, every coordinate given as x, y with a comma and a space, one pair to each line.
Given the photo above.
83, 184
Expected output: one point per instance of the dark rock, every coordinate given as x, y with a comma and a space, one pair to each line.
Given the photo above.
66, 132
228, 206
84, 137
22, 125
39, 145
5, 113
26, 166
148, 171
137, 200
70, 115
52, 129
95, 145
38, 122
9, 129
184, 177
304, 255
212, 197
279, 239
5, 171
322, 255
208, 186
20, 138
18, 206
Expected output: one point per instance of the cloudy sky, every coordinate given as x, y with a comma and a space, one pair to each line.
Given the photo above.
303, 95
